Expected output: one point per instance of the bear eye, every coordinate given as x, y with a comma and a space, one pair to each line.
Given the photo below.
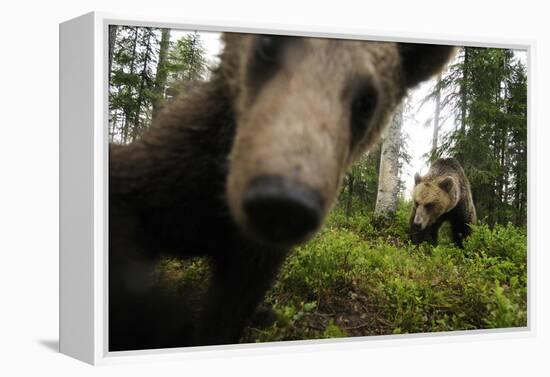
365, 101
429, 206
266, 58
268, 47
362, 107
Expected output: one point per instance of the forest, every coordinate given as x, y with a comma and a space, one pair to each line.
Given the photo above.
361, 275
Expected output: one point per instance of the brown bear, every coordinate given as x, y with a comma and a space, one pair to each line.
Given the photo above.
443, 194
241, 169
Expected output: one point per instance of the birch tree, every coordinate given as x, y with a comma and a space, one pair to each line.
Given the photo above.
388, 179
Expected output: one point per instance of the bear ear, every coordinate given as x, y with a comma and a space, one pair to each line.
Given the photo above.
417, 179
447, 184
421, 61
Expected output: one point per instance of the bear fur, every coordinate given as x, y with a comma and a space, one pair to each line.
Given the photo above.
296, 110
443, 194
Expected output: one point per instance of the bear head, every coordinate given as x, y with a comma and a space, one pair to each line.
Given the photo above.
432, 198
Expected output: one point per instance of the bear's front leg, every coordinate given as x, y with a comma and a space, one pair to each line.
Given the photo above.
460, 231
239, 283
430, 235
434, 234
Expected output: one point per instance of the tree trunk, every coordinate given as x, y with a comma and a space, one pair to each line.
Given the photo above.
191, 73
112, 40
435, 136
463, 92
463, 105
388, 178
161, 75
127, 109
143, 81
349, 203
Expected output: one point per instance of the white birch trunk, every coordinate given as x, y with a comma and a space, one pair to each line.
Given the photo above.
388, 178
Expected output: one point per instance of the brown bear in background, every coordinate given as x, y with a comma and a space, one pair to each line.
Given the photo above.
240, 170
442, 195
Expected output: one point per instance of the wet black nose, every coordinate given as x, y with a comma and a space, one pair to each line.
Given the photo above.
280, 210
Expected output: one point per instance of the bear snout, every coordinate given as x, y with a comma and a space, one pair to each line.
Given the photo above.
281, 211
418, 223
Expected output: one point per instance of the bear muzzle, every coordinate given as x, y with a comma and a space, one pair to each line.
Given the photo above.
420, 222
282, 211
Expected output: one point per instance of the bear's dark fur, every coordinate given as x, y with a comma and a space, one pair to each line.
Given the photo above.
276, 107
443, 194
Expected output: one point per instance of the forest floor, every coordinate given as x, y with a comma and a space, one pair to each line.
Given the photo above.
361, 276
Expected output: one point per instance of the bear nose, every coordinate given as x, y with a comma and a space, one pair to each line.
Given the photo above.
280, 210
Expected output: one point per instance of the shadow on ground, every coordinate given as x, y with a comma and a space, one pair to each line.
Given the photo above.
52, 345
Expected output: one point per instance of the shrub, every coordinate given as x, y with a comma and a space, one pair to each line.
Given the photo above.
396, 287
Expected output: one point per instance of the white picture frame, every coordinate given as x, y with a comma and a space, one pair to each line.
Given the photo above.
84, 192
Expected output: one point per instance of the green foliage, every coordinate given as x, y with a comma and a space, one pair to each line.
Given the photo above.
182, 276
505, 242
294, 322
370, 226
333, 331
366, 281
361, 184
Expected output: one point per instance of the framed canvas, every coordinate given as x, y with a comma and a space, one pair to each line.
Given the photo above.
233, 188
